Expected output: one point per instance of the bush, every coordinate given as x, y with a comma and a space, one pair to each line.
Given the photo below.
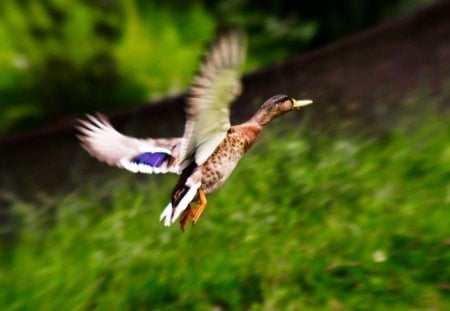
61, 58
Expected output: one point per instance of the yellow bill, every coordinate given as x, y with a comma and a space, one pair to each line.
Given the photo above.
301, 103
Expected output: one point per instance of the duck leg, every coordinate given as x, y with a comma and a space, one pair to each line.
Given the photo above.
200, 207
195, 212
185, 217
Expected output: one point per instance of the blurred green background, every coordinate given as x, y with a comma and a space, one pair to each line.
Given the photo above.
309, 220
63, 58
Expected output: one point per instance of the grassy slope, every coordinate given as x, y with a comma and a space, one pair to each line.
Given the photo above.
314, 222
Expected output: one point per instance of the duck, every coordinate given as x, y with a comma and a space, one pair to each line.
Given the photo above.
210, 148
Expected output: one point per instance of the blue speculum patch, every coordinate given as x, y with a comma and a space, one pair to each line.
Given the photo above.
154, 159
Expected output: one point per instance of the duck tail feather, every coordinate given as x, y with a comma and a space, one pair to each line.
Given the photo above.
173, 211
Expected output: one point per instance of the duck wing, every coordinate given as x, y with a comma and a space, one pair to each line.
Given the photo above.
105, 143
214, 88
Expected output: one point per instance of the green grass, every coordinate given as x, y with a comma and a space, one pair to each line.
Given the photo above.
307, 221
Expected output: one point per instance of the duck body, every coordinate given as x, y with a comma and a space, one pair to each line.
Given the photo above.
210, 148
219, 166
211, 175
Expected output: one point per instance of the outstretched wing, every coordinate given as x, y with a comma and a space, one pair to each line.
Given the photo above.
106, 144
213, 90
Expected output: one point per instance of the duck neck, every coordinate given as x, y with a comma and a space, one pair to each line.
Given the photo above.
263, 116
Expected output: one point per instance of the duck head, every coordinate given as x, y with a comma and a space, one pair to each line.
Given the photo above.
276, 106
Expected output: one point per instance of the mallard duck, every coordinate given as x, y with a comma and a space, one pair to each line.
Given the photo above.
210, 147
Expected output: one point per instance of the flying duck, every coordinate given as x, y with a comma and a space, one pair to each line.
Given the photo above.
210, 147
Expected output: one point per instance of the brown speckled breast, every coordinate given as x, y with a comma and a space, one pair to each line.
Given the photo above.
219, 166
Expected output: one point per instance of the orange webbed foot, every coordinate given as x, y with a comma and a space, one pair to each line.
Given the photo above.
200, 207
193, 213
187, 213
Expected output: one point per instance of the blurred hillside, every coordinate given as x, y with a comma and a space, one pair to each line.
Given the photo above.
64, 58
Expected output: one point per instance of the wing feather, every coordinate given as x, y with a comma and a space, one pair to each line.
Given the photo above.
212, 92
105, 143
